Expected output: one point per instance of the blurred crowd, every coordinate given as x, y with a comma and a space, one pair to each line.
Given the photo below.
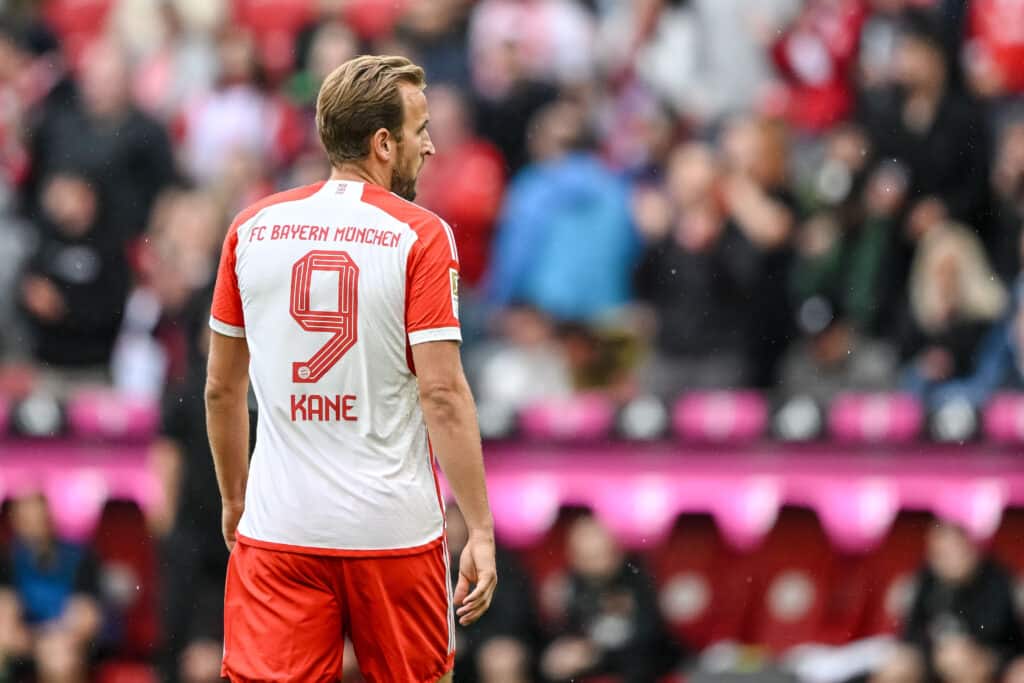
648, 196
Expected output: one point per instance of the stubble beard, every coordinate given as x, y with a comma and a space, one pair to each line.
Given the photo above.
403, 186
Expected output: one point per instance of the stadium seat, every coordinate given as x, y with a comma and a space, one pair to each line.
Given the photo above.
125, 672
128, 576
702, 596
875, 418
107, 415
1008, 548
888, 573
794, 574
584, 417
1004, 418
5, 415
547, 565
720, 416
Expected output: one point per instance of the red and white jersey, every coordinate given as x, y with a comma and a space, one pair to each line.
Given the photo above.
331, 284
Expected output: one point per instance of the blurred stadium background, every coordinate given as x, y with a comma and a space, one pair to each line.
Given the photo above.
741, 298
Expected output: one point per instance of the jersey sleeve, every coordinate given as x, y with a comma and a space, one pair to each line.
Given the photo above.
226, 310
432, 287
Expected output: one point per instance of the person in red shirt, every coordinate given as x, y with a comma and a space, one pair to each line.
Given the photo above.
465, 181
995, 49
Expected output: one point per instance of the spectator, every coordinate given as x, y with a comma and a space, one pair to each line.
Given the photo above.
1008, 186
954, 297
126, 151
437, 32
179, 67
614, 627
833, 357
699, 273
522, 364
463, 182
705, 57
814, 57
938, 135
994, 52
195, 559
509, 97
177, 259
500, 647
75, 284
961, 625
565, 243
553, 39
48, 596
761, 207
238, 119
848, 250
331, 43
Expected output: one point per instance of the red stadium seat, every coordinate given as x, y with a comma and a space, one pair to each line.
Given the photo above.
125, 672
794, 573
1008, 548
702, 595
888, 573
547, 565
128, 570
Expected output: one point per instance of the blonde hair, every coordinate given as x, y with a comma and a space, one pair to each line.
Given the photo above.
979, 293
359, 98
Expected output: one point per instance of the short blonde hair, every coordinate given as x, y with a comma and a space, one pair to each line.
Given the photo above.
359, 98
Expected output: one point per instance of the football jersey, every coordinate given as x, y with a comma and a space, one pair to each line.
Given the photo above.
331, 285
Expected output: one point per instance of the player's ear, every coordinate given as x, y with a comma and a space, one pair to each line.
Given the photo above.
382, 144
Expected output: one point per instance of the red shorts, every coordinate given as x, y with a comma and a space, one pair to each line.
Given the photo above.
286, 615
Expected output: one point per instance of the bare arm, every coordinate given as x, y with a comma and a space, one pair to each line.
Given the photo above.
227, 424
450, 415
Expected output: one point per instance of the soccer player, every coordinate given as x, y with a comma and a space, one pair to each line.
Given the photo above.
340, 302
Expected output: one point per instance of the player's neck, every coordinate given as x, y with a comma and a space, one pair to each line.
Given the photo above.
362, 174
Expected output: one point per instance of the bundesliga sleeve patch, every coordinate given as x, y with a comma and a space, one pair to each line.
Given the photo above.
453, 277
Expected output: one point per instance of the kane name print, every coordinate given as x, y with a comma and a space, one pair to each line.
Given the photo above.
320, 408
323, 233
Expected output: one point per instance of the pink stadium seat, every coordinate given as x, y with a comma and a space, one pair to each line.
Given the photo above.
720, 416
702, 596
105, 414
871, 418
1004, 418
888, 573
127, 557
583, 417
795, 572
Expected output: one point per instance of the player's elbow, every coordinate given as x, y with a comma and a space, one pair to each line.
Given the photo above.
441, 399
219, 392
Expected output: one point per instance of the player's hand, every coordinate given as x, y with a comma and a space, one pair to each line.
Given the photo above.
476, 568
229, 516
